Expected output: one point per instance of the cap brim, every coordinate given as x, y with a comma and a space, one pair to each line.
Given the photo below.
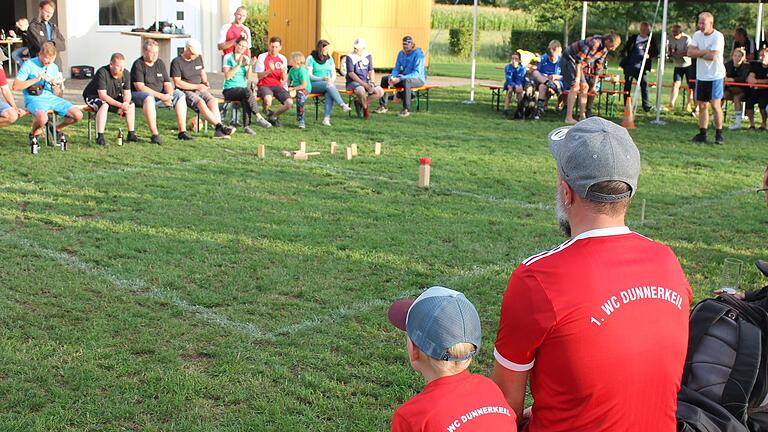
398, 312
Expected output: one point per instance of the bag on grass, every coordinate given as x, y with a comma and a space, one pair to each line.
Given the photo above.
726, 364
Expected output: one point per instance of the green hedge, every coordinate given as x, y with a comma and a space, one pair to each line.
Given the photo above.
532, 40
257, 21
460, 41
487, 19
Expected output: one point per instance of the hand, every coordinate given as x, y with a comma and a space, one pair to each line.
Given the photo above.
167, 99
367, 87
124, 106
329, 80
21, 112
43, 77
11, 33
751, 79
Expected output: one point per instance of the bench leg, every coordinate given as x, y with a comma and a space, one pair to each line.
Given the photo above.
90, 125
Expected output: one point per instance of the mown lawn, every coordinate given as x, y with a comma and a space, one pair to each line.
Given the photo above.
193, 287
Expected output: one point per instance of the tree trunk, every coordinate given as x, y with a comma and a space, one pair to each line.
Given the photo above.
565, 32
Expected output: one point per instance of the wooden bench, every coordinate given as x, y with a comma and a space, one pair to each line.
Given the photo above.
225, 105
418, 92
496, 90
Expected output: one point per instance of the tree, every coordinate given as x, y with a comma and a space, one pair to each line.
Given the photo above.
565, 11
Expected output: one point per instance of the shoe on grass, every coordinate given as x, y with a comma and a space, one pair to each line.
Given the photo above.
100, 140
699, 138
302, 125
346, 108
249, 131
156, 140
185, 136
404, 113
326, 121
220, 134
381, 109
261, 122
132, 137
719, 138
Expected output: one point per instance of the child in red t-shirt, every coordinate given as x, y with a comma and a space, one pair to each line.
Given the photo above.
443, 336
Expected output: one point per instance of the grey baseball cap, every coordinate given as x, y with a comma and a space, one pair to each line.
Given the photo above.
437, 320
592, 151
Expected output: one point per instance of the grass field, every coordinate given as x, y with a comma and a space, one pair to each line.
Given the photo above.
192, 287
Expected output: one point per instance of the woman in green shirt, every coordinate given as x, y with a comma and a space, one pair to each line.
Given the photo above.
322, 73
237, 73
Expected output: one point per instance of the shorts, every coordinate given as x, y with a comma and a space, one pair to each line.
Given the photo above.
568, 71
95, 103
279, 93
4, 107
709, 90
352, 85
139, 97
757, 96
45, 102
683, 74
193, 97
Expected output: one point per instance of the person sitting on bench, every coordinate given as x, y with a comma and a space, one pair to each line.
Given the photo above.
272, 71
409, 72
9, 112
237, 73
188, 73
40, 80
110, 91
152, 88
361, 77
548, 76
514, 80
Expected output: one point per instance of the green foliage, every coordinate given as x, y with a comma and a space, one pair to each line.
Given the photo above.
531, 40
447, 17
258, 22
460, 41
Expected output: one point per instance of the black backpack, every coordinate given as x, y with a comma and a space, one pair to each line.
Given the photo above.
725, 378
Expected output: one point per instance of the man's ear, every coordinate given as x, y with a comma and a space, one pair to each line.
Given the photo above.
413, 352
567, 194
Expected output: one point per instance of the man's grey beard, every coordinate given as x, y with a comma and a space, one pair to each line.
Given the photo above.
561, 215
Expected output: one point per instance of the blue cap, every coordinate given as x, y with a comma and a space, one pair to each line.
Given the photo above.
437, 320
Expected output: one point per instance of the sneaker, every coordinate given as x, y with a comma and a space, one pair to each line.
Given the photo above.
327, 120
228, 130
156, 140
735, 126
249, 131
346, 108
404, 113
381, 109
274, 121
699, 138
185, 136
261, 122
719, 138
220, 134
132, 137
302, 125
366, 114
100, 140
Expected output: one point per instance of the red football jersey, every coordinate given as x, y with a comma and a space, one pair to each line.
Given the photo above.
3, 78
463, 402
277, 64
602, 321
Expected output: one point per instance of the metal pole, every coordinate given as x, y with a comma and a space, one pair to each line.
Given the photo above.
157, 15
474, 53
583, 20
759, 31
662, 60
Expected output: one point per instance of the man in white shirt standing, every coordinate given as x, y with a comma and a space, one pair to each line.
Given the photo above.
231, 31
707, 48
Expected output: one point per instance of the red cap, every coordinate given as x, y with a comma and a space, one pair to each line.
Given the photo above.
425, 161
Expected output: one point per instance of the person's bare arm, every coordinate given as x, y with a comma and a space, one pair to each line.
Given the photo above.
512, 384
695, 52
109, 99
181, 84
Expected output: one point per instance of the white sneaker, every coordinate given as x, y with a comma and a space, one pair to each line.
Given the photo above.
346, 108
327, 121
735, 126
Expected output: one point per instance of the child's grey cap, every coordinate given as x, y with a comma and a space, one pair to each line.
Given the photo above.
437, 320
592, 151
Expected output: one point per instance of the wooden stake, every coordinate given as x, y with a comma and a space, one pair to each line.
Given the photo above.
333, 147
300, 156
303, 147
377, 149
348, 153
354, 150
642, 213
424, 172
261, 151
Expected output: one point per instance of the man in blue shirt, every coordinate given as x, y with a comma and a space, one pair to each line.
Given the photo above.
514, 79
409, 72
40, 80
632, 61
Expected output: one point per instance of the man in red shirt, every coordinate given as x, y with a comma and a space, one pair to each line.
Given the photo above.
600, 322
9, 112
272, 71
443, 336
230, 32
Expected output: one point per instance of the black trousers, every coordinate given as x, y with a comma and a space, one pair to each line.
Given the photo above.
247, 100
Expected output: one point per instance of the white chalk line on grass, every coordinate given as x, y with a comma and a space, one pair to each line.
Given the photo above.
138, 286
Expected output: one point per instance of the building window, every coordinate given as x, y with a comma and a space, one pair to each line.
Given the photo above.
118, 13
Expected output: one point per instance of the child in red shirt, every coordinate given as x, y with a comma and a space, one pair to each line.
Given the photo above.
443, 336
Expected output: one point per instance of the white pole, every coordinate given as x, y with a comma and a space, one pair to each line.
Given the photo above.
662, 60
759, 31
474, 53
583, 20
157, 15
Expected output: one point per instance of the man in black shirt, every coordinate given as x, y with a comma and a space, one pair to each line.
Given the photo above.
109, 90
152, 87
42, 29
758, 74
189, 76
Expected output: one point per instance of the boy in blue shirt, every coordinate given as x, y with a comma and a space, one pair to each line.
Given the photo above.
548, 76
514, 79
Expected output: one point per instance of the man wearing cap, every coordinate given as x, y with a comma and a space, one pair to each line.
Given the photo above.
707, 48
361, 78
599, 323
444, 335
409, 72
9, 112
188, 74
